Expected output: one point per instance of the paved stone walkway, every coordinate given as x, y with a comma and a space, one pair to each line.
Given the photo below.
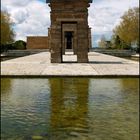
99, 65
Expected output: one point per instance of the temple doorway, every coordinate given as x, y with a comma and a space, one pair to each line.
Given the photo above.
68, 55
68, 40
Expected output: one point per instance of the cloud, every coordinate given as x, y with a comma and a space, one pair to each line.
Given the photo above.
32, 17
16, 3
104, 15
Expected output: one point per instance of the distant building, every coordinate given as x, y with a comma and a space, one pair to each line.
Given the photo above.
37, 42
134, 45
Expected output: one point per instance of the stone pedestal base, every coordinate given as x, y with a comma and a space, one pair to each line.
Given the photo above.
56, 58
82, 58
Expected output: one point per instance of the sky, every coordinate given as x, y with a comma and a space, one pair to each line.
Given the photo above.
32, 17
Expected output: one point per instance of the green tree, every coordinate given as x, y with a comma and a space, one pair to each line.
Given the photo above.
128, 30
7, 33
116, 42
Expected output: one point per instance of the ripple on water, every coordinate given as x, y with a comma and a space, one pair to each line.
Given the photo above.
70, 109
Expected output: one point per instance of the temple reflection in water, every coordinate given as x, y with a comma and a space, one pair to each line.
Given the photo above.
69, 108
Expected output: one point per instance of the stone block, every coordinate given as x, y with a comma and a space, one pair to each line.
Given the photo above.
56, 58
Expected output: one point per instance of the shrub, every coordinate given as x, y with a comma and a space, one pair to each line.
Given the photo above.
6, 47
19, 45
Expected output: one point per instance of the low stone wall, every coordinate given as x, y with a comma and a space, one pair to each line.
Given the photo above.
119, 53
37, 42
19, 53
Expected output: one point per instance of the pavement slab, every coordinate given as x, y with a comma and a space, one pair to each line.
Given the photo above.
99, 65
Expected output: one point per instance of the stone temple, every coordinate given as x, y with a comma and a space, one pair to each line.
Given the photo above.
69, 29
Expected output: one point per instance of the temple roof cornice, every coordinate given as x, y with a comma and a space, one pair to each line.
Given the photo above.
48, 1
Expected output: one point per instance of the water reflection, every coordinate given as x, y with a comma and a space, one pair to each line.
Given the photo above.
113, 108
128, 82
25, 107
69, 107
5, 86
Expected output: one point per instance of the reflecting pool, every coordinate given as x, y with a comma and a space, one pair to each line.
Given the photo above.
69, 109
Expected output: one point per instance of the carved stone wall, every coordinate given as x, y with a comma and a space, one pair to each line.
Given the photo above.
69, 15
